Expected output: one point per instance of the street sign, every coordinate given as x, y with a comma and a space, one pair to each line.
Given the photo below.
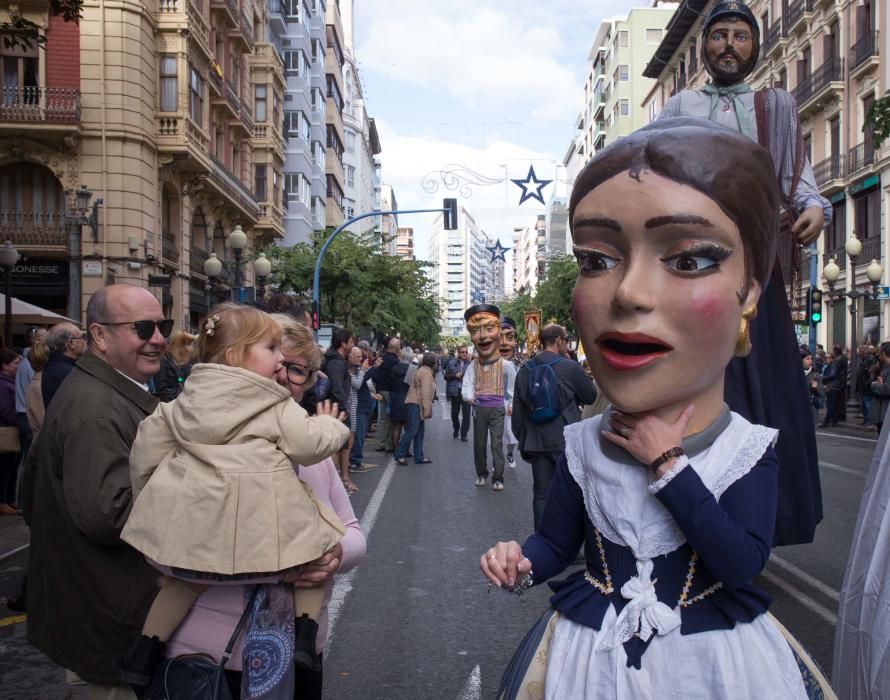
883, 293
159, 280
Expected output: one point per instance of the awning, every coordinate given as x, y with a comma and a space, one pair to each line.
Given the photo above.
23, 312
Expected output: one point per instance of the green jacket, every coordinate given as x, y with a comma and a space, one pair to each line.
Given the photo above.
88, 591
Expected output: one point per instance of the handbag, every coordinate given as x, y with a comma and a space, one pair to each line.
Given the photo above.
196, 676
9, 439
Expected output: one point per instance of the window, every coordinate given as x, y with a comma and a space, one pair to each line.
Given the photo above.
259, 183
20, 74
292, 10
259, 103
653, 36
196, 96
318, 101
168, 82
350, 142
318, 154
297, 125
350, 175
317, 51
297, 187
305, 127
625, 107
623, 72
305, 190
623, 39
295, 63
276, 107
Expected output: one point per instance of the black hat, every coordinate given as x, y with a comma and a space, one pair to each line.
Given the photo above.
481, 309
729, 8
507, 322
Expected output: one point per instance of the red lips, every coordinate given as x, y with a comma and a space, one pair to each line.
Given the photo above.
629, 351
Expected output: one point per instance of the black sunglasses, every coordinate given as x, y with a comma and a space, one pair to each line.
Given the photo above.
297, 372
145, 329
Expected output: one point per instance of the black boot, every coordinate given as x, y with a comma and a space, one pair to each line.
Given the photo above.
305, 632
136, 665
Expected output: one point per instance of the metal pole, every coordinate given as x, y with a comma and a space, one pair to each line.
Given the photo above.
316, 276
854, 350
237, 267
7, 326
814, 280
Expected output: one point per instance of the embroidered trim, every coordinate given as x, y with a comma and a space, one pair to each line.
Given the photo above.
607, 587
666, 478
685, 601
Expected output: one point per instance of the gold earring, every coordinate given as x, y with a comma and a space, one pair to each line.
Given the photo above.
743, 341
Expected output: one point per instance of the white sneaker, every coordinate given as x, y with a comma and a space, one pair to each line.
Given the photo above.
498, 486
511, 462
480, 481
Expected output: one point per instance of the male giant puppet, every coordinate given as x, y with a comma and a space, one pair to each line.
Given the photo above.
488, 386
768, 386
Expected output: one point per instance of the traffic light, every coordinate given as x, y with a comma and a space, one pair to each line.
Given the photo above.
814, 306
450, 209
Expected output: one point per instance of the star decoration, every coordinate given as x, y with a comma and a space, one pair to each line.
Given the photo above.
477, 297
530, 183
497, 251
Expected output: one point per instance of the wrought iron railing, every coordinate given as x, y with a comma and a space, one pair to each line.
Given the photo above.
859, 157
197, 258
39, 104
796, 10
28, 228
832, 168
234, 187
863, 49
772, 36
170, 247
830, 71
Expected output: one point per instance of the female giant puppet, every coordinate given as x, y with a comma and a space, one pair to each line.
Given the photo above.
672, 495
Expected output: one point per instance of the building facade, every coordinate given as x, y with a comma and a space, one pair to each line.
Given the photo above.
405, 243
833, 59
460, 271
615, 87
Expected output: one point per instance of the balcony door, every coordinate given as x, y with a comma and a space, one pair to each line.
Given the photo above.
32, 205
868, 130
20, 75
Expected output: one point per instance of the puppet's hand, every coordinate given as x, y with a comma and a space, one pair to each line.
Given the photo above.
649, 437
808, 225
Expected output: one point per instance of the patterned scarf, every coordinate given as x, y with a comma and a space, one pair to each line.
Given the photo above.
732, 92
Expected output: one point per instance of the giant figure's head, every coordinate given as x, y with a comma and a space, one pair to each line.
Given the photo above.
730, 42
484, 327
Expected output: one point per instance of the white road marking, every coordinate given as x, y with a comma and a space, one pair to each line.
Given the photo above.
846, 437
842, 470
811, 581
473, 688
343, 584
800, 597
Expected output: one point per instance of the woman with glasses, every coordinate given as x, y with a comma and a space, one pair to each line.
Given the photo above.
216, 612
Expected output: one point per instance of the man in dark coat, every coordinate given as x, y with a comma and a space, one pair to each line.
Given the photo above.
337, 371
460, 409
542, 444
66, 343
88, 591
383, 384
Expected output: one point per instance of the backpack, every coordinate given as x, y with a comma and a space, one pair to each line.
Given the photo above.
543, 391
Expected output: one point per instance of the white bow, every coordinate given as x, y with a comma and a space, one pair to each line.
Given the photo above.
643, 614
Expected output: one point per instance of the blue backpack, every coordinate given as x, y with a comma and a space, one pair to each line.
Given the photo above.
543, 391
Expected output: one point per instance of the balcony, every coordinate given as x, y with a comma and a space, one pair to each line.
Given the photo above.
31, 229
864, 55
247, 33
827, 79
229, 10
797, 11
200, 29
40, 105
225, 181
228, 97
247, 117
599, 106
860, 157
830, 173
271, 219
277, 16
197, 258
170, 248
771, 40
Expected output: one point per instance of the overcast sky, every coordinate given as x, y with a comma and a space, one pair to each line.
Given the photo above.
493, 86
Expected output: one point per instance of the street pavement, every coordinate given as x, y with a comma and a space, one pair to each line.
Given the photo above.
416, 619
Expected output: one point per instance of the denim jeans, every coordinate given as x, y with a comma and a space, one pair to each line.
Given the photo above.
413, 431
361, 431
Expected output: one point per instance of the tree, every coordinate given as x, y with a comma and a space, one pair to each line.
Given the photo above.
554, 293
878, 119
360, 288
22, 32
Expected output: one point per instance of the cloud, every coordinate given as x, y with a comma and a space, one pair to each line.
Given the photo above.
483, 56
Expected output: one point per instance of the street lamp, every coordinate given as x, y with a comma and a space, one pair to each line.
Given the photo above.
831, 272
237, 242
262, 268
9, 256
82, 198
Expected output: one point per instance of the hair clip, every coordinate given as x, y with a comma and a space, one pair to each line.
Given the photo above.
210, 324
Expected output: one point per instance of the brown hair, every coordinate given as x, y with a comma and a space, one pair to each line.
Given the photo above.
717, 161
180, 347
298, 340
232, 328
